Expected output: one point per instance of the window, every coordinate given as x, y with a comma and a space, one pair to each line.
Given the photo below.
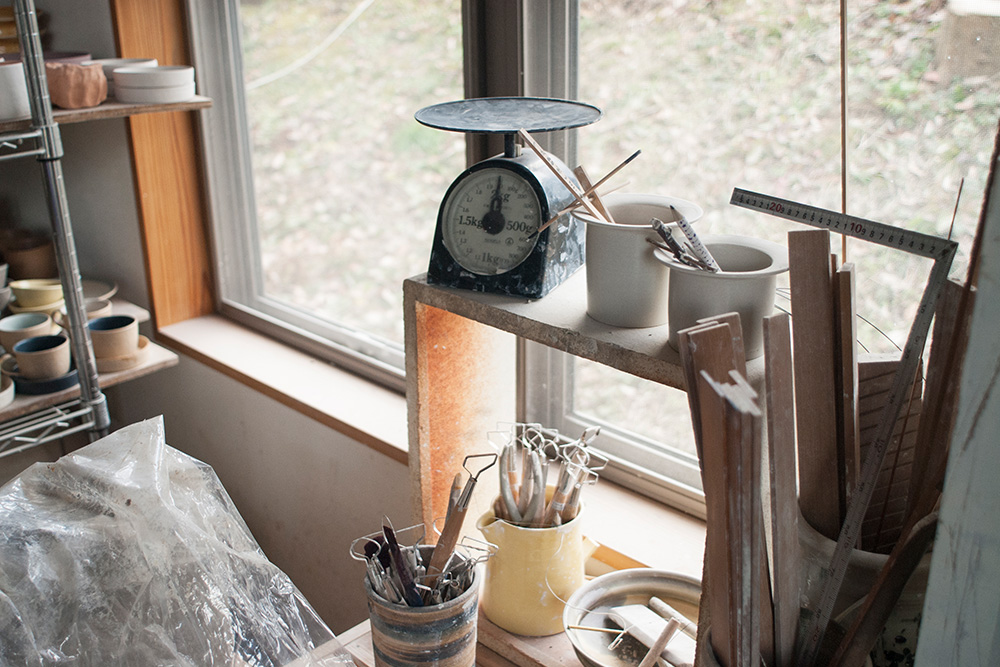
324, 198
337, 187
720, 95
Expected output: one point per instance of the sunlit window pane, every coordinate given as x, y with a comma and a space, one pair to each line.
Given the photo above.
346, 182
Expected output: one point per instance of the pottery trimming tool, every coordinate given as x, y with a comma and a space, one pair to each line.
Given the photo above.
942, 251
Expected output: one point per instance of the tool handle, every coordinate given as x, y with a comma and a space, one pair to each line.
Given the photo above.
446, 544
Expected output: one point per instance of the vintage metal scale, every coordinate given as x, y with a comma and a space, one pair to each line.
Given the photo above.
487, 237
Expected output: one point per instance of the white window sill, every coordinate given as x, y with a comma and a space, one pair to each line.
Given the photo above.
637, 530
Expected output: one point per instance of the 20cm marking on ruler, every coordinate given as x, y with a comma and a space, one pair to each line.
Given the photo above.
942, 251
915, 243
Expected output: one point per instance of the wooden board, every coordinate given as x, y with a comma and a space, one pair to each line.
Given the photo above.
886, 510
815, 388
941, 390
780, 417
848, 438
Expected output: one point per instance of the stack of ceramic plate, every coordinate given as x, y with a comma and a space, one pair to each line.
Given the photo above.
154, 85
111, 64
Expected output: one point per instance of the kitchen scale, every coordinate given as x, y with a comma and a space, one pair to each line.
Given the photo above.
487, 237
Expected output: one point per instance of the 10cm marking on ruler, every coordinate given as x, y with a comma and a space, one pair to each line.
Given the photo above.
915, 243
942, 251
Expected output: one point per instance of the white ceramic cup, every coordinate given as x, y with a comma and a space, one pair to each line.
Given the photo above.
43, 357
13, 91
14, 328
626, 285
114, 336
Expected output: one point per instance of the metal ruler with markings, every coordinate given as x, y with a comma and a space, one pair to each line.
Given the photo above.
942, 251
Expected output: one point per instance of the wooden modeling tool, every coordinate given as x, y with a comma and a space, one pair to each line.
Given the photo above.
590, 192
540, 152
445, 546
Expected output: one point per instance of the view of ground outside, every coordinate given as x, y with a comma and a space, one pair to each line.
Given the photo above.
716, 93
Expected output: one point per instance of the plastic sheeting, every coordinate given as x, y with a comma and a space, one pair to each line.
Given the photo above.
129, 552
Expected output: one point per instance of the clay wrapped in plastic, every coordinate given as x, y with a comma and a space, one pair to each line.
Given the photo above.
129, 552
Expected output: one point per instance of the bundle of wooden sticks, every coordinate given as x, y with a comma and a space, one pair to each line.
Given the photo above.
752, 587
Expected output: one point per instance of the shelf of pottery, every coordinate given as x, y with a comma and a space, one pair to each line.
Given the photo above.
64, 337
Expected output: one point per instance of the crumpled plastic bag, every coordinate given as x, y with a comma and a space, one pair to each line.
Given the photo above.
129, 552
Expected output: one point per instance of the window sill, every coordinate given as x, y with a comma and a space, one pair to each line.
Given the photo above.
632, 529
359, 409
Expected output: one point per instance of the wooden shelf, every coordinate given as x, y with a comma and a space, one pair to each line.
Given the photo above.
560, 321
110, 109
158, 359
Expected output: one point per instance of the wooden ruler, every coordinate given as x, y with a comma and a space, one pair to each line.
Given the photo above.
942, 251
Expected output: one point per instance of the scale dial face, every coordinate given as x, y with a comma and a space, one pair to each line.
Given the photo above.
488, 220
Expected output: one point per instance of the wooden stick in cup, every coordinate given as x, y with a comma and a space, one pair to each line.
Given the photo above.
590, 192
533, 145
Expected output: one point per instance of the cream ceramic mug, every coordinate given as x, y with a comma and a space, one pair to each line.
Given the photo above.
14, 328
114, 336
43, 357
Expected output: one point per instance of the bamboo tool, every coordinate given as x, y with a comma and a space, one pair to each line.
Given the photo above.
813, 363
647, 627
584, 201
780, 402
581, 175
445, 546
667, 612
668, 632
590, 192
682, 254
942, 251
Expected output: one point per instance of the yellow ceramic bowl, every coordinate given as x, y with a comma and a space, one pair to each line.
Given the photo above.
36, 293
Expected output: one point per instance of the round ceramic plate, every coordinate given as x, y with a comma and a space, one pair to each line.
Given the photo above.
50, 308
115, 364
590, 604
99, 289
25, 386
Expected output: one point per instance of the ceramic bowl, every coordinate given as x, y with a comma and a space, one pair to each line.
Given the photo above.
163, 95
5, 294
169, 76
746, 285
626, 285
111, 64
13, 91
36, 292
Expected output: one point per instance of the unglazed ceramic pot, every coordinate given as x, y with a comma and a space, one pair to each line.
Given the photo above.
73, 86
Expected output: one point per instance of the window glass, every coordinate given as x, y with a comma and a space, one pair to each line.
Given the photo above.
346, 183
730, 94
